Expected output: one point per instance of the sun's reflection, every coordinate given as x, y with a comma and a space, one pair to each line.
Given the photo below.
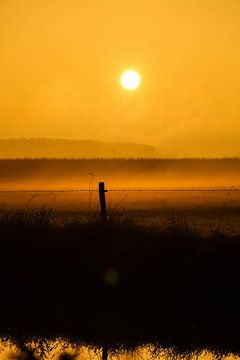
62, 350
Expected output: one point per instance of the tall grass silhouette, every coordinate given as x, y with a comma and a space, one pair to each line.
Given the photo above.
119, 284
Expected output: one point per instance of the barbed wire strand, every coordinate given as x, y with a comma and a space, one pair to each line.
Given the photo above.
9, 191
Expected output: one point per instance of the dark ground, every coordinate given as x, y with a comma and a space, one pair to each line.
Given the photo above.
119, 284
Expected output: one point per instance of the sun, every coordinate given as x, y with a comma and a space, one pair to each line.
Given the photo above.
130, 80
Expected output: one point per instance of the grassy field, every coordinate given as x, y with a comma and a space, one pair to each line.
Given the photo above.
163, 270
119, 284
216, 209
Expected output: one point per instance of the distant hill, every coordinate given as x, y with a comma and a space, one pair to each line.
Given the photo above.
61, 148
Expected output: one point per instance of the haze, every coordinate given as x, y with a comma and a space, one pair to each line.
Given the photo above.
60, 64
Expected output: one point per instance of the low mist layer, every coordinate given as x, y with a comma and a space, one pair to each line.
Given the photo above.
122, 173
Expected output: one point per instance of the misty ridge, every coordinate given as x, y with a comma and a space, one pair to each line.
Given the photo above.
63, 148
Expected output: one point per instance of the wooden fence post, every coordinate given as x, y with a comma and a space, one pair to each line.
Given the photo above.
102, 199
105, 353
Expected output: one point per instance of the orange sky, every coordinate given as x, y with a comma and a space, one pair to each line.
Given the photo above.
60, 63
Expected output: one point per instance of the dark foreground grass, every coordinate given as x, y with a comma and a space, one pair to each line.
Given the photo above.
119, 285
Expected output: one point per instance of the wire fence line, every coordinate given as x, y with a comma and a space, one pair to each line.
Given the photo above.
54, 191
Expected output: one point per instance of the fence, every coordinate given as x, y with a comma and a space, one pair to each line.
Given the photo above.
102, 191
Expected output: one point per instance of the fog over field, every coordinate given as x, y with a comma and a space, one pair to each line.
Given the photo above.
123, 173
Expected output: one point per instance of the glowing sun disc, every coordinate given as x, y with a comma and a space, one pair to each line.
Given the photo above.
130, 79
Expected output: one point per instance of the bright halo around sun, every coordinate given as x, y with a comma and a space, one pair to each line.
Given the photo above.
130, 80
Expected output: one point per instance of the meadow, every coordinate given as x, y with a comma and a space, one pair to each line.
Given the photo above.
163, 271
119, 284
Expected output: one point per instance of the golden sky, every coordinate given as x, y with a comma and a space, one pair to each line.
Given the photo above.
61, 60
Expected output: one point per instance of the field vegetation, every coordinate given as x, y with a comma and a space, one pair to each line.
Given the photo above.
163, 271
119, 285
